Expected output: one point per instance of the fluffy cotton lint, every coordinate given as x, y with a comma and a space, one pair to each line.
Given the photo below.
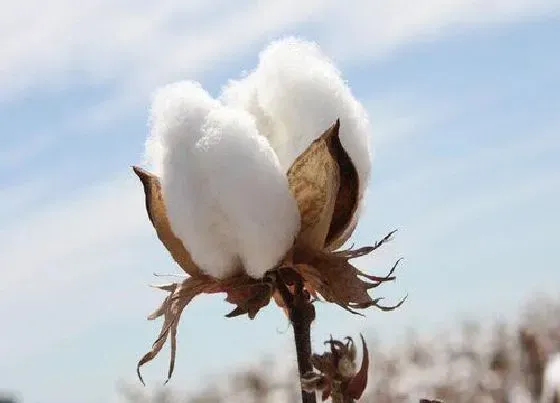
227, 196
295, 94
551, 381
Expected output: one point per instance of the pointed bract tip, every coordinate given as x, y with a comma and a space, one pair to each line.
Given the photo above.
333, 131
140, 172
140, 375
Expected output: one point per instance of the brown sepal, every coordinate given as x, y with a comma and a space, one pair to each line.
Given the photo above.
171, 309
314, 180
249, 296
358, 384
157, 213
332, 276
347, 199
325, 184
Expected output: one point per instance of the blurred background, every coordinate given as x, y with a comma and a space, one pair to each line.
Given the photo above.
464, 99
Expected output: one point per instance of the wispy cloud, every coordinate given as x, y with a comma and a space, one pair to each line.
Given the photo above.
53, 241
141, 43
134, 47
375, 28
396, 116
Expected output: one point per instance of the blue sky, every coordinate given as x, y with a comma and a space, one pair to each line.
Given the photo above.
464, 99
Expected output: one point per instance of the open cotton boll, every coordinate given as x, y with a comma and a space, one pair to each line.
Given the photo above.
551, 380
176, 108
227, 197
295, 94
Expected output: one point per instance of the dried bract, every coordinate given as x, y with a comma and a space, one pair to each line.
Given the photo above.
338, 375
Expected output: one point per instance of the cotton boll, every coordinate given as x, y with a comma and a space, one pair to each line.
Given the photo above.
227, 197
176, 108
551, 380
295, 94
248, 180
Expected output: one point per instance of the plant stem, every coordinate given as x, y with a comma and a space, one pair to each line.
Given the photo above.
340, 393
302, 313
302, 316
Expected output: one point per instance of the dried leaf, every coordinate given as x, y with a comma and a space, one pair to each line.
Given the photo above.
250, 295
335, 279
333, 276
250, 304
171, 310
314, 181
359, 382
155, 207
160, 311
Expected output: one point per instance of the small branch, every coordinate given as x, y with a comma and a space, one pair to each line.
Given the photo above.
302, 313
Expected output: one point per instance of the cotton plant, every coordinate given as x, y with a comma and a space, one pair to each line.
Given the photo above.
253, 193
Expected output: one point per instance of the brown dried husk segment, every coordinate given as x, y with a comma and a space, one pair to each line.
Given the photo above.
171, 308
358, 383
155, 206
314, 181
331, 275
325, 184
328, 273
250, 295
347, 198
334, 379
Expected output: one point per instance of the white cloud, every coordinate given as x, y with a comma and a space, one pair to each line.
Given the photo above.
451, 192
54, 240
144, 43
395, 116
377, 27
135, 41
67, 264
135, 46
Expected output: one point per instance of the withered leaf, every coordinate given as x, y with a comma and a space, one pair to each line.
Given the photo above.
337, 280
249, 298
171, 310
358, 384
157, 214
160, 311
249, 294
314, 180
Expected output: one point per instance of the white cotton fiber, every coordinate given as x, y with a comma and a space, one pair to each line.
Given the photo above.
551, 380
227, 196
295, 94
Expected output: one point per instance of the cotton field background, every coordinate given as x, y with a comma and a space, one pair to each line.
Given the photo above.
462, 102
516, 362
